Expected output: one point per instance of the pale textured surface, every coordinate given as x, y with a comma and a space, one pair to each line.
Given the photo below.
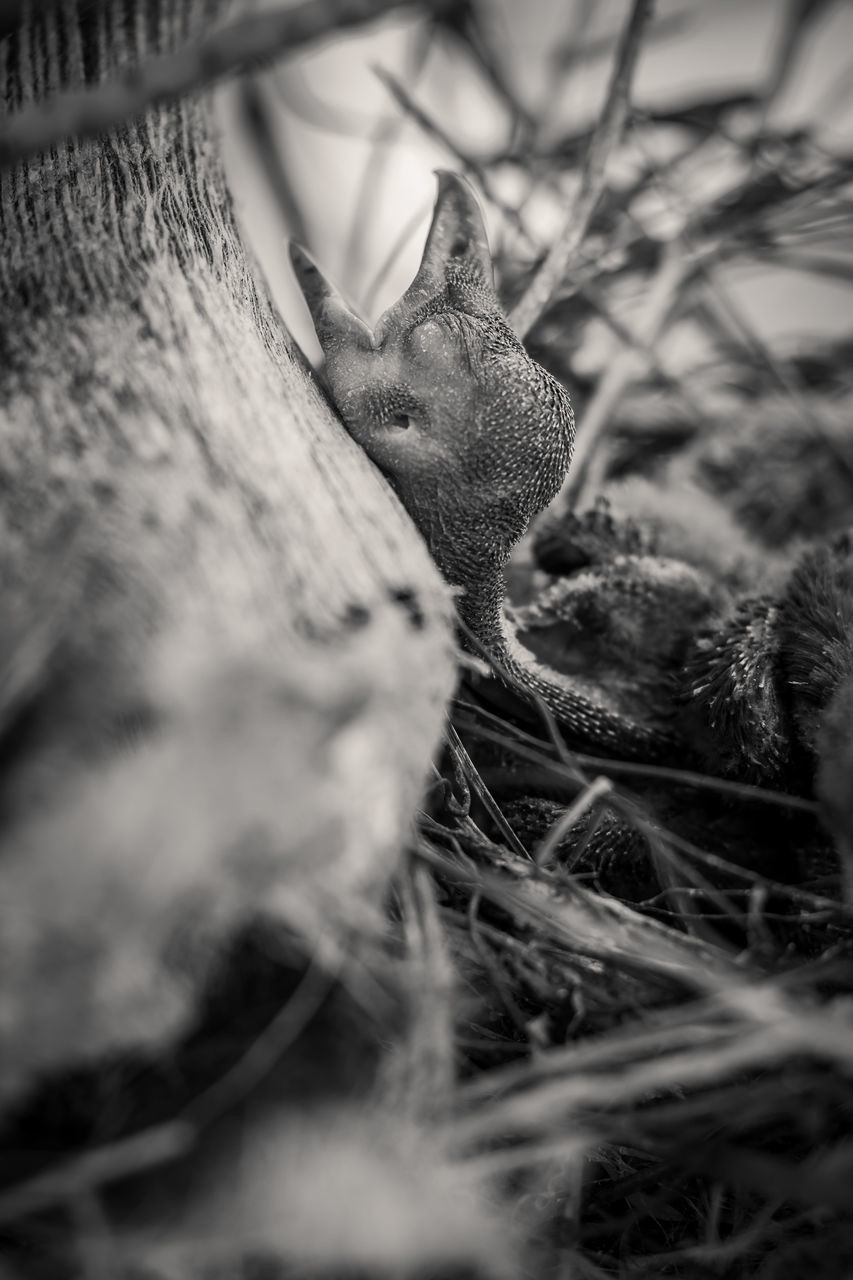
181, 512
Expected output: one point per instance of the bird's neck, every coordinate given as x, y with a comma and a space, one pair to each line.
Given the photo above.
587, 720
480, 607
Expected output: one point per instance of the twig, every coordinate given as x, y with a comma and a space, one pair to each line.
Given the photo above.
572, 52
255, 39
492, 967
469, 163
664, 297
427, 124
96, 1246
800, 15
701, 1023
836, 268
482, 792
607, 134
521, 743
725, 309
602, 929
730, 318
721, 1251
554, 1102
720, 865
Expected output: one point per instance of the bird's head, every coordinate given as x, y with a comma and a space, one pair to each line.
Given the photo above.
472, 433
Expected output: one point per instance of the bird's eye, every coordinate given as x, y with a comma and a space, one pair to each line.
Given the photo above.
400, 421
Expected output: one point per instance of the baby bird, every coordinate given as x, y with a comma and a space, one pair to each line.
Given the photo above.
637, 648
476, 439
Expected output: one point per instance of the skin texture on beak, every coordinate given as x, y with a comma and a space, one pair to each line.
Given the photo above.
337, 325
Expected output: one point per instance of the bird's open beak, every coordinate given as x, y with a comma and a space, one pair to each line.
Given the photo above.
337, 325
457, 234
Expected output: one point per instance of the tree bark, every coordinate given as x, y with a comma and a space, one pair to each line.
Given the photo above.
217, 621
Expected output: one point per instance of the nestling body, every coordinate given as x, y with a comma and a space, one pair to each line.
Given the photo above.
473, 434
636, 651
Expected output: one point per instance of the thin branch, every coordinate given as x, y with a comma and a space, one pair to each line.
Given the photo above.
482, 792
554, 1102
724, 310
493, 969
664, 297
607, 135
573, 52
800, 15
469, 163
257, 38
532, 749
809, 899
721, 302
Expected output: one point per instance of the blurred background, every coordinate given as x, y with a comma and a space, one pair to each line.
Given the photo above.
739, 150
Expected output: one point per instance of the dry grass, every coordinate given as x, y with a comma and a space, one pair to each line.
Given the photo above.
661, 1053
654, 1042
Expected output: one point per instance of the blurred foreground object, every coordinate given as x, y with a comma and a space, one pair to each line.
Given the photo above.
224, 652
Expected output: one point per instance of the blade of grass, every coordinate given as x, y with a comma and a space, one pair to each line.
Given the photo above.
483, 794
590, 798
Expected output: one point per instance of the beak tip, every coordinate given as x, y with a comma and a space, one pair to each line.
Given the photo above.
449, 180
300, 258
